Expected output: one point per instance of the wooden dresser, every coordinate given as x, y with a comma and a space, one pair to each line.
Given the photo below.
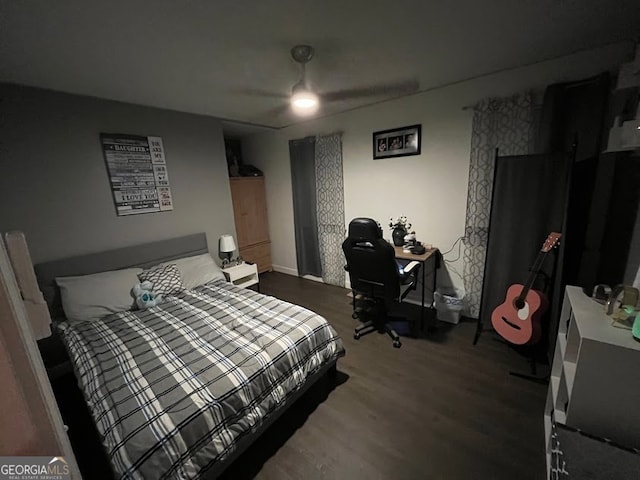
252, 224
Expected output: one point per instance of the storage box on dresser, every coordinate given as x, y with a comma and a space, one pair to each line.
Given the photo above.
594, 378
252, 225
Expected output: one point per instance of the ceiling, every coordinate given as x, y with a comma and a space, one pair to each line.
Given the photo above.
212, 57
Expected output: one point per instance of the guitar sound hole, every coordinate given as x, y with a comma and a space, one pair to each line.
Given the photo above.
519, 304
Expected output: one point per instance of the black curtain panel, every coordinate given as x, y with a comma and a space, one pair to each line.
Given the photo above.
574, 119
529, 201
573, 115
303, 182
574, 112
621, 209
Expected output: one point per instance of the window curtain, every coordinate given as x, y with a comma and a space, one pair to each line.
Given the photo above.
506, 124
303, 182
318, 206
330, 207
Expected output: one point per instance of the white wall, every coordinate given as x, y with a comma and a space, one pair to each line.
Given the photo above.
431, 189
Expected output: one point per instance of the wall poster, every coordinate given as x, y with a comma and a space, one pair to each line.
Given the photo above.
138, 173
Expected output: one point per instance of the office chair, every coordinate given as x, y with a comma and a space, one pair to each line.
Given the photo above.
375, 275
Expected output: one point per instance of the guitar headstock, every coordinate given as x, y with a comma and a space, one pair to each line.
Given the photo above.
551, 241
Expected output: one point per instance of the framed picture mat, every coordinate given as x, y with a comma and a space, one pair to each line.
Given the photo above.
397, 142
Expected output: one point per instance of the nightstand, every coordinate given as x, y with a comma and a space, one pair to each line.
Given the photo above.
243, 275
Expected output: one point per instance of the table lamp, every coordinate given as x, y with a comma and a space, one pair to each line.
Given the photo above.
226, 245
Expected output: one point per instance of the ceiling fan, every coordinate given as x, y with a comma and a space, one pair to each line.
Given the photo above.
303, 100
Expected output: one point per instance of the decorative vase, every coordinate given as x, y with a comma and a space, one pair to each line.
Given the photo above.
398, 236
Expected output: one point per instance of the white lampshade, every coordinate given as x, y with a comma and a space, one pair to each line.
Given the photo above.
226, 244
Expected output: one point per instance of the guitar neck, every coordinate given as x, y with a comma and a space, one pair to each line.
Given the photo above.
532, 276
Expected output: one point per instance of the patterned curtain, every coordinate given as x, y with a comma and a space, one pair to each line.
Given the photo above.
506, 124
330, 207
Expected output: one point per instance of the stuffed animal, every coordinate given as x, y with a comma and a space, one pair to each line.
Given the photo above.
144, 295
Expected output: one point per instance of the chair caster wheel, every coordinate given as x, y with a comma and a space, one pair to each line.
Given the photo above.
356, 336
354, 315
397, 344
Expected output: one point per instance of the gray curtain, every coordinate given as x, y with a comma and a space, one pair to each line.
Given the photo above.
303, 182
506, 124
330, 207
318, 206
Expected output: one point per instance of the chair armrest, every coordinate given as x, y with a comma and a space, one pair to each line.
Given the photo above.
410, 266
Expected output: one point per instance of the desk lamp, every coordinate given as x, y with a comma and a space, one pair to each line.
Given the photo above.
226, 246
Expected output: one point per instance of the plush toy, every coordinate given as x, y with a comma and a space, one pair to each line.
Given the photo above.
144, 295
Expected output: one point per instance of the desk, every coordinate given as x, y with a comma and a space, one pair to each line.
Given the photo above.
432, 253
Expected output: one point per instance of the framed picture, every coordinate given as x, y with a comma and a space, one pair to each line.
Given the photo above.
397, 142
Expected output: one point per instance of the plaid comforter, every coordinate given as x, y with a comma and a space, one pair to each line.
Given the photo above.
172, 388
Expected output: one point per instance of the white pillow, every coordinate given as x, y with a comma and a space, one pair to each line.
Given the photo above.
89, 297
197, 270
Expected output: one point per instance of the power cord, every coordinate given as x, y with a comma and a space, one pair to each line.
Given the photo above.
454, 246
449, 262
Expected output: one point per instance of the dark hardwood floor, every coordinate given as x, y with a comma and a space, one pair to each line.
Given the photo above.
437, 408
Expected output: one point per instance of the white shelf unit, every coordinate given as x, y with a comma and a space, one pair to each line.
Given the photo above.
594, 377
243, 275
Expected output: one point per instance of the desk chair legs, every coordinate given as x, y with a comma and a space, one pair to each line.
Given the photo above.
374, 325
370, 326
366, 327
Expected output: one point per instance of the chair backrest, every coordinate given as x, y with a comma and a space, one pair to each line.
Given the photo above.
371, 261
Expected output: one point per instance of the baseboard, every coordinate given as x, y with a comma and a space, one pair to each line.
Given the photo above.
286, 270
294, 272
313, 278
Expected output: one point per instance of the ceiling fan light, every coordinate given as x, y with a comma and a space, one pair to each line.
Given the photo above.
304, 102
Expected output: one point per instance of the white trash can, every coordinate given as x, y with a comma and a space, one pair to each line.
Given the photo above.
449, 304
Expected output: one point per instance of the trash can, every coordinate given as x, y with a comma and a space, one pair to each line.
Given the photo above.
449, 304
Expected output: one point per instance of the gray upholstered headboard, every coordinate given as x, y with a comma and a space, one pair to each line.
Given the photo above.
144, 256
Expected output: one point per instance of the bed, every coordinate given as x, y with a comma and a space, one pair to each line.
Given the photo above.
179, 390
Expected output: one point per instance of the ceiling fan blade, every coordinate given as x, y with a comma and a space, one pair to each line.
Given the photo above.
395, 89
277, 111
257, 92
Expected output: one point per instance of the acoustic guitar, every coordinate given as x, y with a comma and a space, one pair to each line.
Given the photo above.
518, 318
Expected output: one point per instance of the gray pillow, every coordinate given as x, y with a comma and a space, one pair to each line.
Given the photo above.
89, 297
165, 278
